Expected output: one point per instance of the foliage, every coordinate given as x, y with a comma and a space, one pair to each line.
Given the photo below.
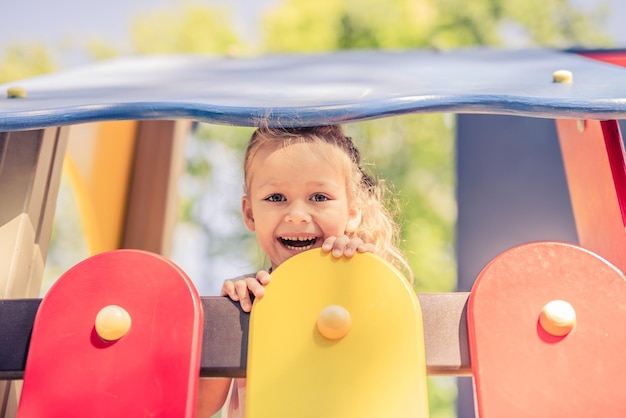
100, 50
24, 60
301, 25
414, 154
191, 29
326, 25
213, 243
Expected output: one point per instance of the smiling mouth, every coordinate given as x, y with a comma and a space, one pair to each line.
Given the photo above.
298, 244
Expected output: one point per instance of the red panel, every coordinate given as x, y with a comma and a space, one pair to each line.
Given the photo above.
596, 176
150, 372
611, 57
519, 369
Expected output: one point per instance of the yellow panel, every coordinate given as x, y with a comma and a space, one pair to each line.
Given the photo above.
377, 369
99, 166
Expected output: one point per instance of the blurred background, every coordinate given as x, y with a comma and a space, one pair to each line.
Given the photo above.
415, 154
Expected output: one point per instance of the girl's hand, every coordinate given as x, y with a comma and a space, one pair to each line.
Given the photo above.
239, 290
344, 246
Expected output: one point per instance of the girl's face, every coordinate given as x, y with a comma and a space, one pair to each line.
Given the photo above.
297, 197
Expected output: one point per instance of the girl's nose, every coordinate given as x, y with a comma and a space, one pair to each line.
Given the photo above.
297, 213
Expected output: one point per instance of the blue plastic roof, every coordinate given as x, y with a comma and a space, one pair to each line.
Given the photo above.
315, 89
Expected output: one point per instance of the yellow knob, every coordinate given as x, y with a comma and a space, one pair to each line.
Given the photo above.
562, 76
112, 322
16, 92
334, 322
557, 318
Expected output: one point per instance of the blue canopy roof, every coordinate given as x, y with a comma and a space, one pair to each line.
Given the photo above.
315, 89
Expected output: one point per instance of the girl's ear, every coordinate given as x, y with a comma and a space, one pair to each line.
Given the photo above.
246, 209
354, 219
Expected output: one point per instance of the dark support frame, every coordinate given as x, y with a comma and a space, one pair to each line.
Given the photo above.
225, 336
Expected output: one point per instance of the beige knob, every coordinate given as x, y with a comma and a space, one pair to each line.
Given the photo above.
16, 92
557, 318
112, 322
334, 322
562, 76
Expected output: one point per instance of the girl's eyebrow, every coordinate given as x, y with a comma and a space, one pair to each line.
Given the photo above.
316, 183
272, 184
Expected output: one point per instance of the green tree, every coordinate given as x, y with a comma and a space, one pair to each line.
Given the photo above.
100, 50
22, 60
326, 25
190, 29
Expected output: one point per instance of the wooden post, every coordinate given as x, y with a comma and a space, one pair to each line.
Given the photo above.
593, 155
152, 203
125, 177
30, 172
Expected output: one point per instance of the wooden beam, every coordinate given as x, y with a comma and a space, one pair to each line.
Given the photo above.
152, 203
98, 166
225, 336
30, 173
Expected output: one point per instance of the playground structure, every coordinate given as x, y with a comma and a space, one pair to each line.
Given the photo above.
141, 109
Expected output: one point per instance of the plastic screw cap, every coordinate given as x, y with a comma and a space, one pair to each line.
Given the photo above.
562, 76
334, 322
112, 322
16, 92
558, 318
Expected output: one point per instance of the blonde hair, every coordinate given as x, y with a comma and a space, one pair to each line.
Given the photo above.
377, 225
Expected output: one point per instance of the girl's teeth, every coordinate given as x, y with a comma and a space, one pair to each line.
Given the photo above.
298, 243
308, 247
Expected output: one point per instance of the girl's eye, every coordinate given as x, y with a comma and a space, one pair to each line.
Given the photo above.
276, 197
318, 197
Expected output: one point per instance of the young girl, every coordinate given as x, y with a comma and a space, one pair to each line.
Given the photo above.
304, 189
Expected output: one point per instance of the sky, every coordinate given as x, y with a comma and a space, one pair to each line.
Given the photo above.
34, 20
61, 22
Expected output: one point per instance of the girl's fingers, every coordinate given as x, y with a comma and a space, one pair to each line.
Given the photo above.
228, 289
343, 246
328, 244
263, 277
253, 286
243, 295
240, 290
352, 246
340, 245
